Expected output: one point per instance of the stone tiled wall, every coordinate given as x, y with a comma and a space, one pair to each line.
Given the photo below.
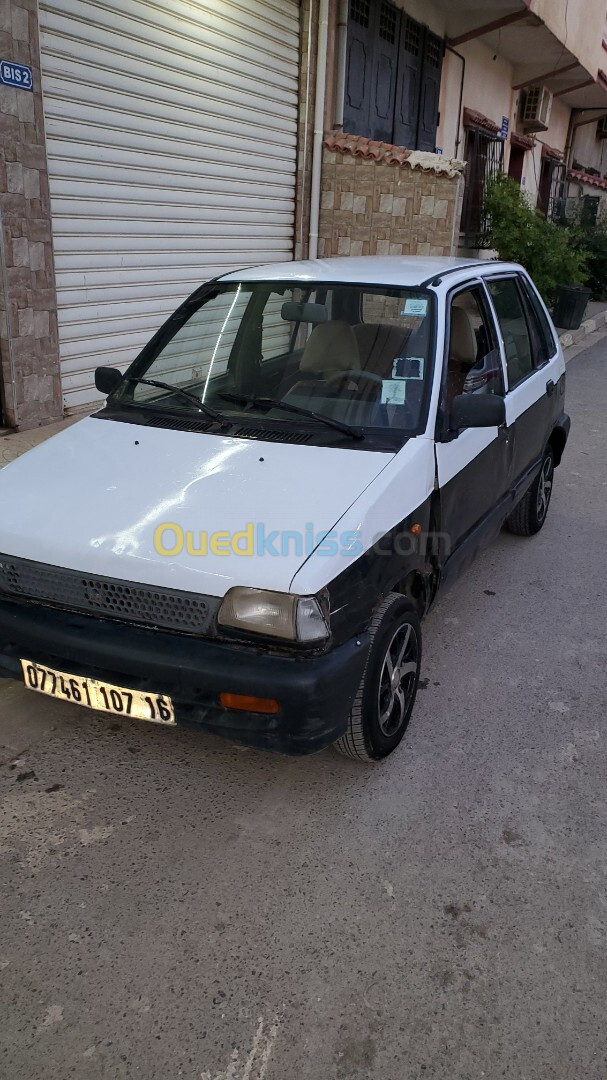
30, 377
371, 208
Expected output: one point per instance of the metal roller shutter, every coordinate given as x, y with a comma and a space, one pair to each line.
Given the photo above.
171, 141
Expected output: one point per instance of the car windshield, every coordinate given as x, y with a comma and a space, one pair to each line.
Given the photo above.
355, 356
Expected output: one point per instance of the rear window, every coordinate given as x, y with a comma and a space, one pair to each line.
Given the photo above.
544, 330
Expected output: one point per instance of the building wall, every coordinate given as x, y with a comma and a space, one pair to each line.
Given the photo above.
28, 316
579, 24
372, 208
555, 137
587, 149
487, 89
425, 12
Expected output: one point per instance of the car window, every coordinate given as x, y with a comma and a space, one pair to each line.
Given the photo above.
200, 349
518, 347
547, 344
473, 359
359, 355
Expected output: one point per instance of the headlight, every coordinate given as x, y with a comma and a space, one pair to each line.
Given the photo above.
259, 611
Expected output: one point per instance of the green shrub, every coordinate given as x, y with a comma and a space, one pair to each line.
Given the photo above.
552, 254
591, 236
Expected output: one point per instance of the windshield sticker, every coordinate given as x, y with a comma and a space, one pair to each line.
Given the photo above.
408, 367
393, 391
415, 305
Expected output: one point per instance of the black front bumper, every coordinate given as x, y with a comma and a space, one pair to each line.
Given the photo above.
315, 692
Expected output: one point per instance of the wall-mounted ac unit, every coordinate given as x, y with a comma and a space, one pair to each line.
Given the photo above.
601, 128
535, 108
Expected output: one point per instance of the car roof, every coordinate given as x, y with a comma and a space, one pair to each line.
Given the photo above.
405, 270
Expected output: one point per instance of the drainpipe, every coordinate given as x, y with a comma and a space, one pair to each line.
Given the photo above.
319, 118
461, 98
569, 140
342, 46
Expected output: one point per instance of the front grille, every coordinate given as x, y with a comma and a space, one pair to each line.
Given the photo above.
144, 605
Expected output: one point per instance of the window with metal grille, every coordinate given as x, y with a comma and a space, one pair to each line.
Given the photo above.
412, 36
590, 209
484, 155
557, 203
359, 12
387, 23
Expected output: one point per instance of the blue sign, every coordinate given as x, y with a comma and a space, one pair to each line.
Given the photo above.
505, 126
17, 75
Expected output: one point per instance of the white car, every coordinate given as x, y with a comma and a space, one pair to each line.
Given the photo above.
249, 531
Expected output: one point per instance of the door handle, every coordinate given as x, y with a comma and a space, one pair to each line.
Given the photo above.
550, 387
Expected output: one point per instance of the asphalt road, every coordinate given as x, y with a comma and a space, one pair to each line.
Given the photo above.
173, 906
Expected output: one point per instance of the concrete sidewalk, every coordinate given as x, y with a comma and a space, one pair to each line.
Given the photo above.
12, 445
595, 320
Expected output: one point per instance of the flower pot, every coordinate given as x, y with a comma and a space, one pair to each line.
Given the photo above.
570, 305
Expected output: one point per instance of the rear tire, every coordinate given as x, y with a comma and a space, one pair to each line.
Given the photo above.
529, 515
384, 700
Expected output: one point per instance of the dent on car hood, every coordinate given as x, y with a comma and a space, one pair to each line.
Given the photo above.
92, 498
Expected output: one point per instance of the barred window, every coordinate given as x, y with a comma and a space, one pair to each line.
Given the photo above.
359, 12
387, 23
433, 52
412, 36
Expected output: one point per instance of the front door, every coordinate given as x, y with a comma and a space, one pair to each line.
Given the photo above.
472, 464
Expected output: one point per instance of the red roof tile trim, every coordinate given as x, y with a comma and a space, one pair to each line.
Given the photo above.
551, 152
358, 146
586, 178
384, 153
522, 142
472, 118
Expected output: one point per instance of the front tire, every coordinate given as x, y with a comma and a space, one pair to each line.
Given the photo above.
529, 515
384, 700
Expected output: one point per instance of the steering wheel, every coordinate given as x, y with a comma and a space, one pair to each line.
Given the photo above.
370, 376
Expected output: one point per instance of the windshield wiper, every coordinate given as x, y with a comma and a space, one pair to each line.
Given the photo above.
277, 403
200, 405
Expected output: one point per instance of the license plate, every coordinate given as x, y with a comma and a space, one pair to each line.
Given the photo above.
94, 694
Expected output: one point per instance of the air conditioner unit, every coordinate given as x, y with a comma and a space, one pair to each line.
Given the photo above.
601, 128
535, 108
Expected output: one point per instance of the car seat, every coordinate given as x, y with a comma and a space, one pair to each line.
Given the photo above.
330, 349
379, 344
463, 349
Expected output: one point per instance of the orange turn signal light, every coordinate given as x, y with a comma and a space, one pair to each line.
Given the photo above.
246, 703
416, 529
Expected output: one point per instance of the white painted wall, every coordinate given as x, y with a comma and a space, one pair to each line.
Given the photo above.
487, 89
556, 137
580, 24
587, 149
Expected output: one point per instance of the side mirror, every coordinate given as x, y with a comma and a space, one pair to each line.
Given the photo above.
477, 410
107, 380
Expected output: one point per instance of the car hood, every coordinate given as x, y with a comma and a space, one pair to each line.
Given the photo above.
92, 499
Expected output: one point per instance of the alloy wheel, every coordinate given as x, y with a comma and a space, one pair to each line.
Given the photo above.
544, 489
397, 680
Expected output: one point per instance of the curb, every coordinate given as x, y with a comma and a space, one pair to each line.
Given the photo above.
568, 338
